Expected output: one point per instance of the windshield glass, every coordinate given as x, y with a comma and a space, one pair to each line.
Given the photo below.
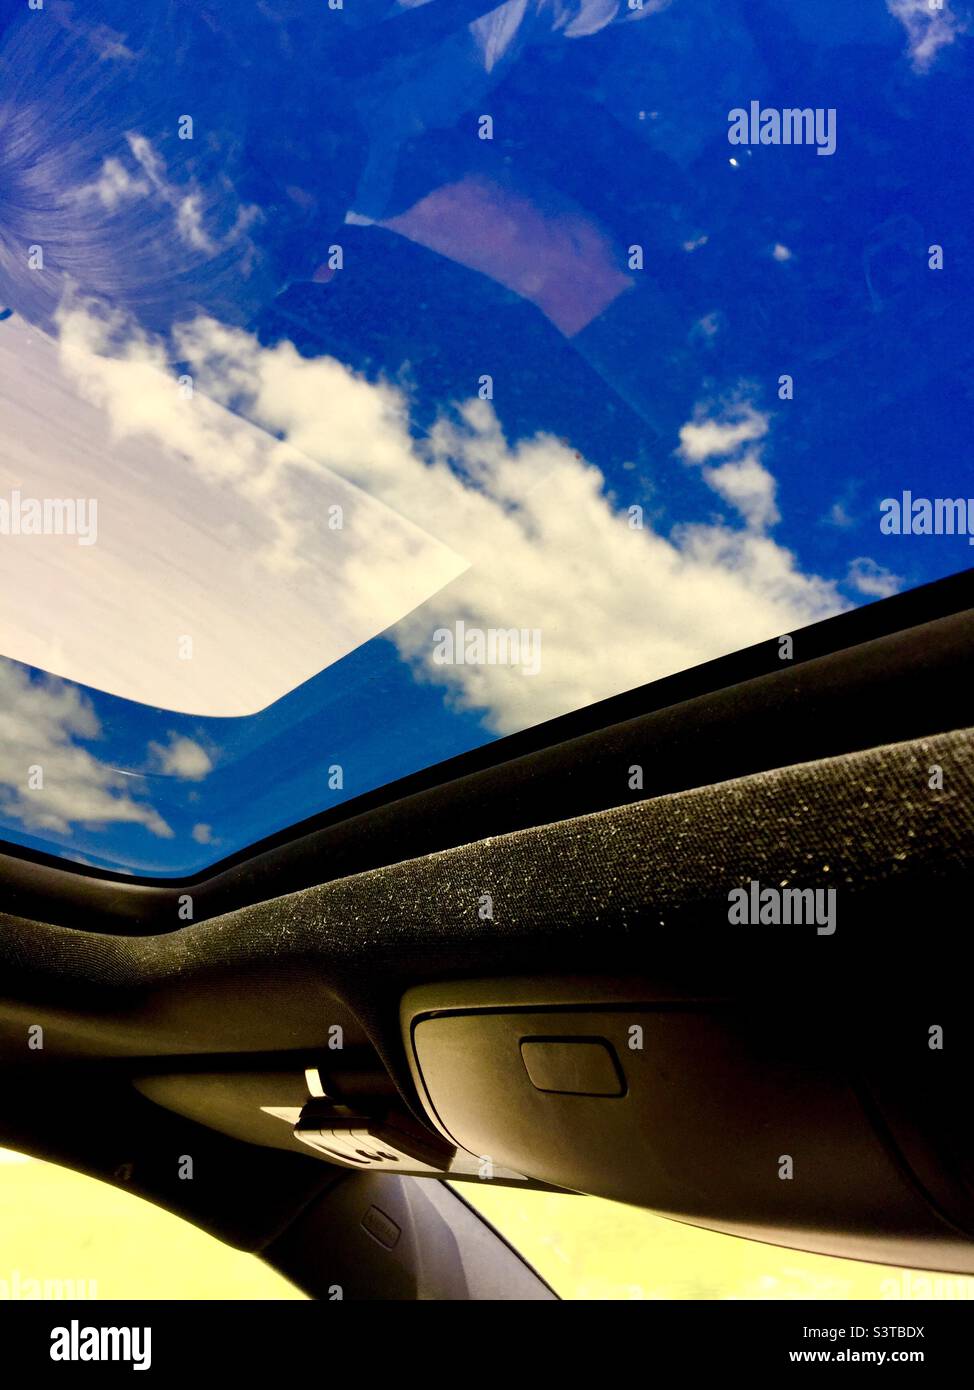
381, 377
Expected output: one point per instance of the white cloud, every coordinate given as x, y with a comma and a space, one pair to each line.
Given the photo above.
701, 439
742, 481
151, 162
181, 757
747, 485
547, 545
709, 326
872, 579
113, 186
203, 834
40, 723
189, 224
928, 29
549, 548
839, 516
780, 252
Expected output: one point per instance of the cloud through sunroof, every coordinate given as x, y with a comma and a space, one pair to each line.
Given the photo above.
380, 398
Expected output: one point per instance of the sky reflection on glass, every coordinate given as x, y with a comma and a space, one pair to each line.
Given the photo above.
498, 287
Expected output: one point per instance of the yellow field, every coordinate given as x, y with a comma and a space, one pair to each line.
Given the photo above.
59, 1226
589, 1248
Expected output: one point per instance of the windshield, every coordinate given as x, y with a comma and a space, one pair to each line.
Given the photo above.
380, 378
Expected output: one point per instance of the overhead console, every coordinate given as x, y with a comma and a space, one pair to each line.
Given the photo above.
729, 1115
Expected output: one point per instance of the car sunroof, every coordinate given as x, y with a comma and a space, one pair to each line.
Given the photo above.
371, 390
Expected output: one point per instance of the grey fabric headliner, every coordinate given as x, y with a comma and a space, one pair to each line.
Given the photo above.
650, 878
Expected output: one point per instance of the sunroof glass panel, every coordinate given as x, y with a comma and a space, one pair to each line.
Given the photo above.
379, 380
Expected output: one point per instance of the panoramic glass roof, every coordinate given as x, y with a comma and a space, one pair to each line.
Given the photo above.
381, 377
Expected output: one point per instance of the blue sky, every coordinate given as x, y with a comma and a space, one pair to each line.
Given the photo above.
546, 366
